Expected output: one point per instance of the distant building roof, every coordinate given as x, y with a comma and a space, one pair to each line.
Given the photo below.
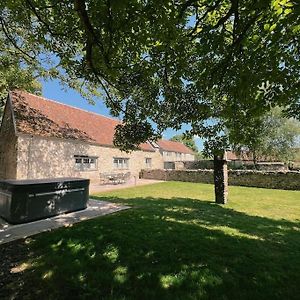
243, 155
174, 146
248, 156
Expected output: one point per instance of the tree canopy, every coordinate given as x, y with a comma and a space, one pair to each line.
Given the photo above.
209, 63
186, 140
274, 137
13, 75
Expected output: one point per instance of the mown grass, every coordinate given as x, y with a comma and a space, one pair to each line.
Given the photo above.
175, 243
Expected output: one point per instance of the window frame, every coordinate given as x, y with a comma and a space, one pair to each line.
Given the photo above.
148, 166
123, 165
178, 155
84, 163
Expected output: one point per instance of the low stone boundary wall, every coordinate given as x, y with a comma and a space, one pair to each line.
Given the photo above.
262, 179
237, 165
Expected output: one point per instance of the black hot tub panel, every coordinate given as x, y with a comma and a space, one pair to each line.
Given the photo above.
28, 200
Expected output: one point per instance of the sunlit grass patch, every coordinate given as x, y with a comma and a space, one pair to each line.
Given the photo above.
175, 243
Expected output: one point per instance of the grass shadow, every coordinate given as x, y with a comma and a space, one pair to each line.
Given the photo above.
178, 248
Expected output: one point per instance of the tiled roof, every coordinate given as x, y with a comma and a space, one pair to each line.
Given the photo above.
238, 156
174, 146
248, 156
43, 117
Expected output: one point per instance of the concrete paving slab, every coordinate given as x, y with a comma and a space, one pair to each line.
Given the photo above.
133, 182
9, 232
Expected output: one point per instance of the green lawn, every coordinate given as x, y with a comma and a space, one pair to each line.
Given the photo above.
174, 244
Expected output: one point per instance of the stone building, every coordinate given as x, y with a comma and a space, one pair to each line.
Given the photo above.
41, 138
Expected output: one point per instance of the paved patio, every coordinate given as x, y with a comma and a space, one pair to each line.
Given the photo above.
98, 188
95, 209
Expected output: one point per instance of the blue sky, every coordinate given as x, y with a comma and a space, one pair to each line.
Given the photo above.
53, 90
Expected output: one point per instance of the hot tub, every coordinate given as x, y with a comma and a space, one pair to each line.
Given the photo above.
28, 200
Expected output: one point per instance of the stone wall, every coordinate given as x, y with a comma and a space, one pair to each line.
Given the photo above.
204, 176
199, 164
40, 157
237, 165
8, 145
266, 179
261, 179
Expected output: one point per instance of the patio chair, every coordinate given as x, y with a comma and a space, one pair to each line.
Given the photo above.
103, 178
126, 176
106, 178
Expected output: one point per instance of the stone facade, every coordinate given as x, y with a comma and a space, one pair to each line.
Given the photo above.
171, 156
8, 145
41, 138
40, 157
272, 180
176, 160
24, 156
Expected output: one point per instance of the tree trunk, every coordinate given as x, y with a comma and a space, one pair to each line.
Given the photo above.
220, 179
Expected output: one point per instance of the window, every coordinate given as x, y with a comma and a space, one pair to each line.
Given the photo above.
178, 155
85, 163
148, 162
168, 153
121, 163
169, 165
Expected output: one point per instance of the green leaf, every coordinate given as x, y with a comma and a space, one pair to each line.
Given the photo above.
288, 11
273, 27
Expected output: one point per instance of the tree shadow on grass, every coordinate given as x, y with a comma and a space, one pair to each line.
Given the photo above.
167, 249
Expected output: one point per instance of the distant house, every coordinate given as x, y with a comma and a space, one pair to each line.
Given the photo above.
41, 138
245, 158
173, 153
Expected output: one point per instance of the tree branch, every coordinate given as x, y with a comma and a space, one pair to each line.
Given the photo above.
185, 6
99, 77
235, 6
80, 8
7, 35
199, 20
110, 19
34, 10
226, 17
237, 42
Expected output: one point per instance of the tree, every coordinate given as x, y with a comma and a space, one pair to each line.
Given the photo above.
23, 61
186, 140
274, 137
211, 64
13, 75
